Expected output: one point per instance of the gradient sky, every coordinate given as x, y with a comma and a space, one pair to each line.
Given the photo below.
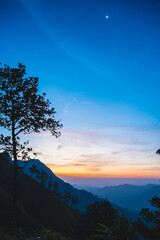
102, 75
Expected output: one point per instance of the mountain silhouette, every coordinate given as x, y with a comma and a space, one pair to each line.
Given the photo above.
84, 198
128, 196
36, 206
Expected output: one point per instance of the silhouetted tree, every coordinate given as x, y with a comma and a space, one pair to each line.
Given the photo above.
152, 216
55, 187
74, 200
158, 151
4, 155
102, 221
67, 196
121, 229
33, 169
43, 177
22, 110
50, 184
98, 212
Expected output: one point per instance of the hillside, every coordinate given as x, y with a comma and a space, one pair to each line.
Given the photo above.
37, 206
84, 198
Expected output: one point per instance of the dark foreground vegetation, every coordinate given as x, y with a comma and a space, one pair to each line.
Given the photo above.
41, 213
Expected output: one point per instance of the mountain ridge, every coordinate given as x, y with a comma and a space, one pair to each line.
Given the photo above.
134, 197
84, 197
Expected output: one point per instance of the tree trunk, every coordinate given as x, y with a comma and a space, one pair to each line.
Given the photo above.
14, 202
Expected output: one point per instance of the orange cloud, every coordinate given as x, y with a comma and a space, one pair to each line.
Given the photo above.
84, 170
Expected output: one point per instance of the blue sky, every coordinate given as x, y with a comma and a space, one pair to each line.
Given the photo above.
102, 76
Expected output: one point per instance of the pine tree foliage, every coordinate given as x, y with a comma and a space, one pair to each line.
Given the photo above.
22, 110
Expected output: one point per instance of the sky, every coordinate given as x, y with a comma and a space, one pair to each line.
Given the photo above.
98, 62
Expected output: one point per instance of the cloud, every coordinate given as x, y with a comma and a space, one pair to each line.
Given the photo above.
127, 141
86, 161
143, 151
59, 147
94, 169
93, 136
78, 133
85, 138
120, 151
44, 155
93, 157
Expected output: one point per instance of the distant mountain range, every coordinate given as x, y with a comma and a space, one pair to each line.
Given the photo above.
84, 197
119, 196
127, 199
128, 196
38, 207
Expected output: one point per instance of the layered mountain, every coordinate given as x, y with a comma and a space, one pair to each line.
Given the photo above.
42, 177
84, 197
128, 196
48, 178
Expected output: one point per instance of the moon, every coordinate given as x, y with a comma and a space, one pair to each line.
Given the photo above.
107, 16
